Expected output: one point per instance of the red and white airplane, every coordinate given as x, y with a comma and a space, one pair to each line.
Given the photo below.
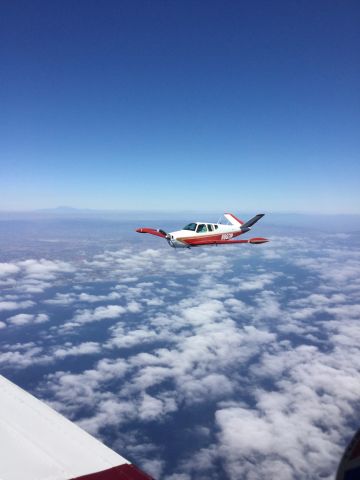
204, 233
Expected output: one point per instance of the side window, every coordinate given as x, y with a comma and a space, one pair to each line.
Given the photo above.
191, 226
210, 228
201, 228
216, 227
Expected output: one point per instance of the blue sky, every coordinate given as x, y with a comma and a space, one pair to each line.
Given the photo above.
180, 105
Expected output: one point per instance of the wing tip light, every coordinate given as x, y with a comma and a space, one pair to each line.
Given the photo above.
258, 240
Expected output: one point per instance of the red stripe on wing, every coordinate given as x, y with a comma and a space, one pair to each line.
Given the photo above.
122, 472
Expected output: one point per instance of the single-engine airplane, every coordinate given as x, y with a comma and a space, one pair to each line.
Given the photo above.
204, 233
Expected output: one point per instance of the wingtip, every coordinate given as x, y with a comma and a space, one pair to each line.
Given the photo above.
258, 240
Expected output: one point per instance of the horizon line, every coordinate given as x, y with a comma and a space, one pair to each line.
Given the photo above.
67, 210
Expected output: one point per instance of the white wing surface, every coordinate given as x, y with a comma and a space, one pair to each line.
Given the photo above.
37, 443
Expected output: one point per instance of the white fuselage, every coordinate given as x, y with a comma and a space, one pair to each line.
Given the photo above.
203, 231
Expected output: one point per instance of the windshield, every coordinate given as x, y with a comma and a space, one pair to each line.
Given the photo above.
191, 226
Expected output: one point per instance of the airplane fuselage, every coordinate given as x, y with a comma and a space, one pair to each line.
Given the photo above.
200, 232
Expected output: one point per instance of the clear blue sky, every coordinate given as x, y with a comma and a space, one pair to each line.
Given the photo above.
241, 105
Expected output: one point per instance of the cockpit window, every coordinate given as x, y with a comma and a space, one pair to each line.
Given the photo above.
201, 228
191, 226
209, 227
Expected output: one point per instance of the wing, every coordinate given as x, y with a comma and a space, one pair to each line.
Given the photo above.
38, 443
152, 231
349, 467
254, 241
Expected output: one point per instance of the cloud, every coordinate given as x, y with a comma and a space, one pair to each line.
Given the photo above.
8, 269
32, 276
257, 348
33, 285
44, 269
8, 305
85, 348
153, 466
86, 297
212, 386
62, 299
256, 282
83, 297
77, 390
151, 408
26, 318
294, 428
22, 355
97, 314
122, 339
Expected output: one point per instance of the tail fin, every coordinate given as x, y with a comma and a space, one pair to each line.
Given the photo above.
239, 223
233, 220
252, 221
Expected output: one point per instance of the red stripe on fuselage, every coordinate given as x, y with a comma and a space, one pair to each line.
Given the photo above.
122, 472
208, 238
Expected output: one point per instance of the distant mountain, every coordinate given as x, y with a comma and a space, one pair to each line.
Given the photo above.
64, 209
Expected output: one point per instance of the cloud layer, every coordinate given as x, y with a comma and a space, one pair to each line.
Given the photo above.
248, 356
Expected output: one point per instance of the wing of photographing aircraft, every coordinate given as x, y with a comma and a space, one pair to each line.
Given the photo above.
349, 467
37, 443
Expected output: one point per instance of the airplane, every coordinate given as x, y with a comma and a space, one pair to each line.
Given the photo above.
204, 233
